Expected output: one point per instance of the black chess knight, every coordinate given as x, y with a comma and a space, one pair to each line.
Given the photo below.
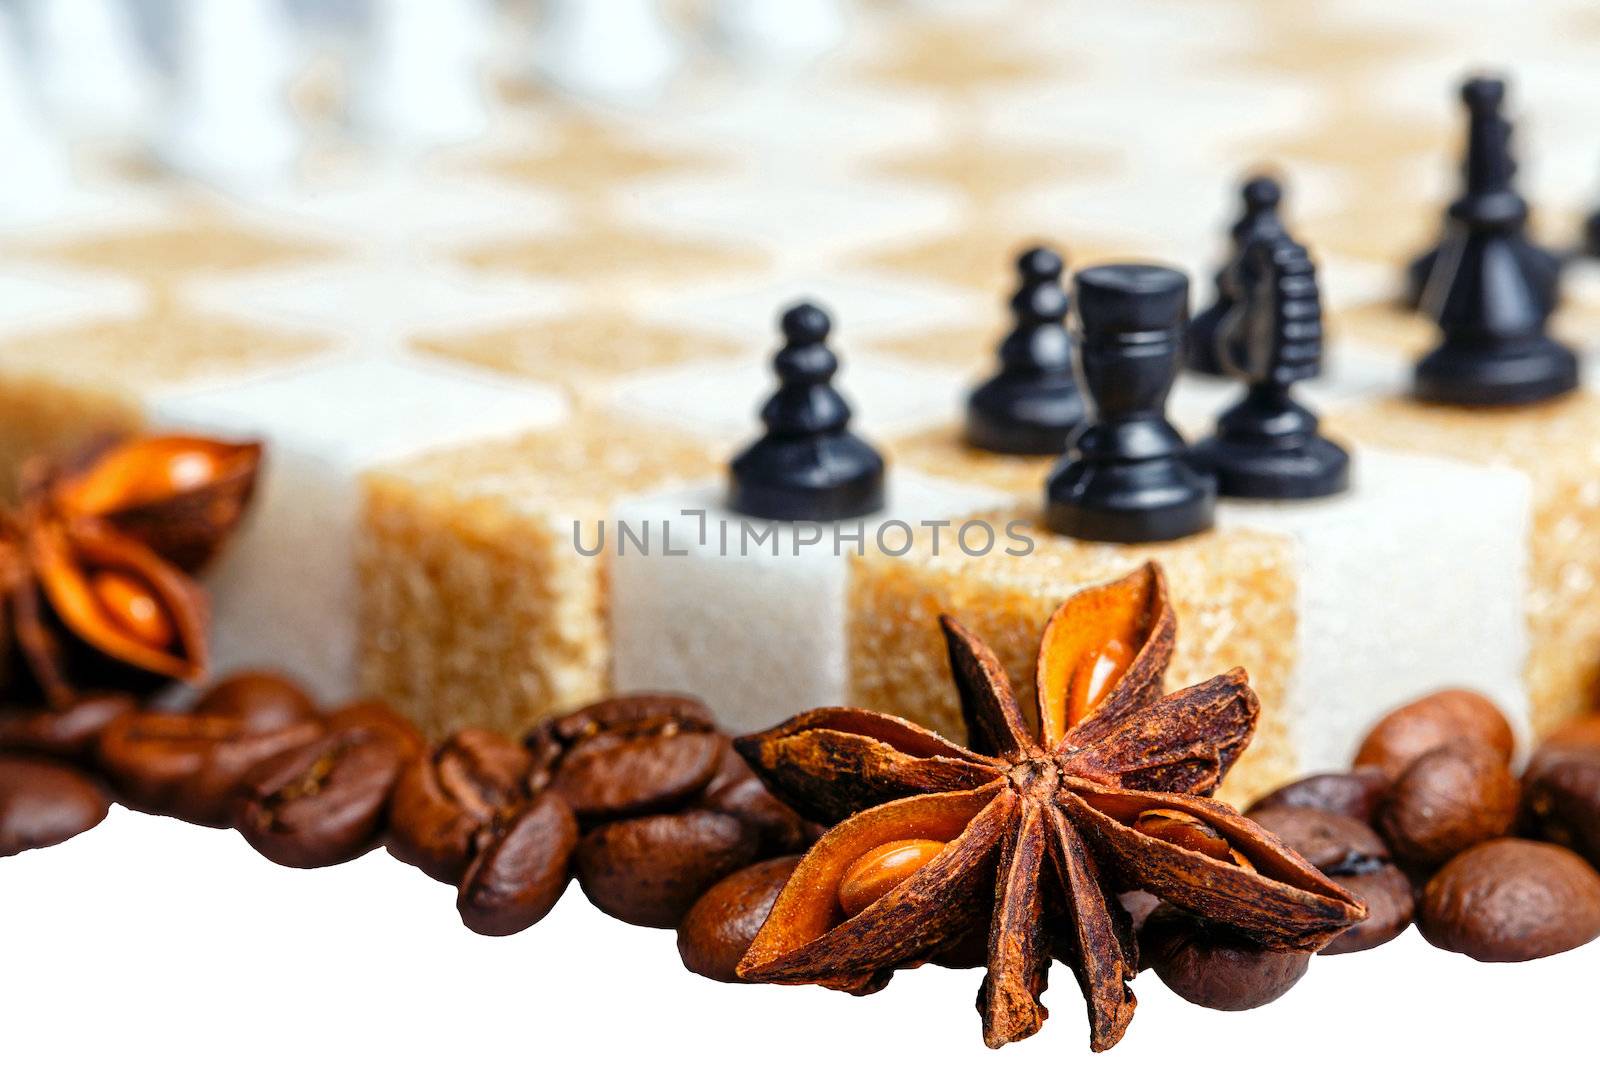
1126, 475
1267, 446
1261, 196
808, 465
1032, 404
1489, 289
1488, 197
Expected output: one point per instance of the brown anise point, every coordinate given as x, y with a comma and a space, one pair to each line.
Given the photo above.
1108, 794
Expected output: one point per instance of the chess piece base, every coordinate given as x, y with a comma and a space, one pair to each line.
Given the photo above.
1024, 418
1130, 503
812, 478
1539, 369
1267, 448
1312, 469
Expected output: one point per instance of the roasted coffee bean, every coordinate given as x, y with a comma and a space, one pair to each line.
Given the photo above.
1355, 794
1213, 968
1348, 851
717, 932
779, 829
1561, 800
517, 877
730, 769
446, 801
1448, 800
325, 802
1576, 738
1509, 900
260, 698
649, 871
70, 733
377, 716
190, 765
1449, 715
43, 803
629, 755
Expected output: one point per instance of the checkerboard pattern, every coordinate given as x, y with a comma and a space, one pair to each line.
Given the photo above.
499, 341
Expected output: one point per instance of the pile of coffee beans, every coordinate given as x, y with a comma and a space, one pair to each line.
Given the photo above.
640, 797
1430, 825
644, 802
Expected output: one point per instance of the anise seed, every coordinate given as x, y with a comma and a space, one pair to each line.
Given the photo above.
1184, 830
881, 869
1095, 676
133, 607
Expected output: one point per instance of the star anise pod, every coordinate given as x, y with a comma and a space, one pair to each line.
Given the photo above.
94, 564
1035, 827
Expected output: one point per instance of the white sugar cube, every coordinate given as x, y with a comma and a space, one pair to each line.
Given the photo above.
1415, 581
747, 614
284, 594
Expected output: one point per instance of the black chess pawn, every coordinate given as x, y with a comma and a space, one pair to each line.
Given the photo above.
1267, 446
808, 465
1488, 172
1033, 403
1126, 475
1490, 290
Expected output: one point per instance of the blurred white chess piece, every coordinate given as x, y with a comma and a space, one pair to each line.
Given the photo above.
229, 121
92, 70
617, 51
34, 178
418, 79
794, 32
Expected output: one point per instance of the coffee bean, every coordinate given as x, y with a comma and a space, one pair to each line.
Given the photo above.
1391, 905
1509, 900
256, 697
517, 877
1561, 800
43, 803
714, 936
1437, 719
630, 755
70, 733
377, 716
190, 765
445, 800
779, 829
325, 802
1348, 851
1577, 737
1214, 968
1448, 800
1355, 794
649, 871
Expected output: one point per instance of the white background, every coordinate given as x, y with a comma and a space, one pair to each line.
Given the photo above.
149, 941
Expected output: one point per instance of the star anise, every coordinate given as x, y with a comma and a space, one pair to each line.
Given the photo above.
96, 563
1106, 791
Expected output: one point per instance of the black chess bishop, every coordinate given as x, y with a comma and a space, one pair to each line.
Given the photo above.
1260, 196
1489, 289
1126, 475
1267, 446
808, 465
1032, 404
1489, 196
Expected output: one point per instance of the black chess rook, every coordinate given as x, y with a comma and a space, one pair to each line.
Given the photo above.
1261, 196
1489, 289
807, 465
1267, 445
1032, 403
1126, 475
